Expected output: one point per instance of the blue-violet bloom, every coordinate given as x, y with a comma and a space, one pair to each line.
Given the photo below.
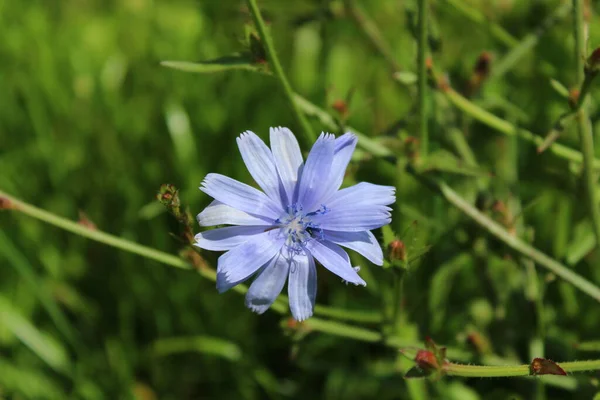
300, 216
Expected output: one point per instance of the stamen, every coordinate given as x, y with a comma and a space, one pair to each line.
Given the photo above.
299, 228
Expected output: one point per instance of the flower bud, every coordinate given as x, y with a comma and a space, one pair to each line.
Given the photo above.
593, 62
427, 361
397, 250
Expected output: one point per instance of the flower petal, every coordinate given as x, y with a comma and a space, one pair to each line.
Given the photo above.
362, 242
218, 213
239, 263
342, 152
363, 193
352, 218
226, 238
335, 259
315, 171
288, 159
241, 196
268, 284
302, 286
260, 163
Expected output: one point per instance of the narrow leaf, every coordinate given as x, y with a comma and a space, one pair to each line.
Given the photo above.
43, 345
197, 344
227, 63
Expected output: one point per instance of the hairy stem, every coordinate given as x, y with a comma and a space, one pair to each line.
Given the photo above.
309, 134
422, 77
507, 128
511, 241
472, 13
485, 371
372, 32
279, 306
586, 138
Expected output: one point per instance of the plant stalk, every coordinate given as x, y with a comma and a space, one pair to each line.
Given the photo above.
309, 134
586, 138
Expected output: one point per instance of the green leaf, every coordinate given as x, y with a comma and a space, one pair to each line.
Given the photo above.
221, 64
441, 286
197, 344
19, 262
179, 127
444, 161
31, 384
43, 345
388, 235
593, 346
582, 244
406, 77
559, 88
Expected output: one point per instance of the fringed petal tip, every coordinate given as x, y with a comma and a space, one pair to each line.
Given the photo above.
258, 309
303, 316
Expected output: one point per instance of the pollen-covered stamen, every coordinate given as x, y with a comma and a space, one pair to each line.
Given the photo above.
298, 227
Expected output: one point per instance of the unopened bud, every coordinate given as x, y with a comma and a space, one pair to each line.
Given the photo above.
573, 98
411, 147
341, 107
593, 62
397, 250
428, 63
168, 195
481, 71
257, 49
427, 361
482, 66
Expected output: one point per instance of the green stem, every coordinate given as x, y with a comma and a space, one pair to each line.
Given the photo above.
422, 77
476, 16
372, 32
366, 317
309, 134
397, 306
593, 346
509, 129
310, 109
511, 241
579, 35
579, 366
96, 235
280, 306
484, 371
586, 138
525, 46
347, 331
364, 142
326, 326
330, 327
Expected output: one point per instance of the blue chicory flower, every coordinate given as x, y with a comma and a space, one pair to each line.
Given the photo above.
301, 216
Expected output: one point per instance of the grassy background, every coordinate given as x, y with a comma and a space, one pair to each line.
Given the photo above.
90, 122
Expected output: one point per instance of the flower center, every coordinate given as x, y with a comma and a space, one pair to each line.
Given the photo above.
298, 228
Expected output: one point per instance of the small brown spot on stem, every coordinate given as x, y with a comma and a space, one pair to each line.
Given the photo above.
85, 221
6, 204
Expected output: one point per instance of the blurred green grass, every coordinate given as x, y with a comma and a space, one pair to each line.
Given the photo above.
90, 122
